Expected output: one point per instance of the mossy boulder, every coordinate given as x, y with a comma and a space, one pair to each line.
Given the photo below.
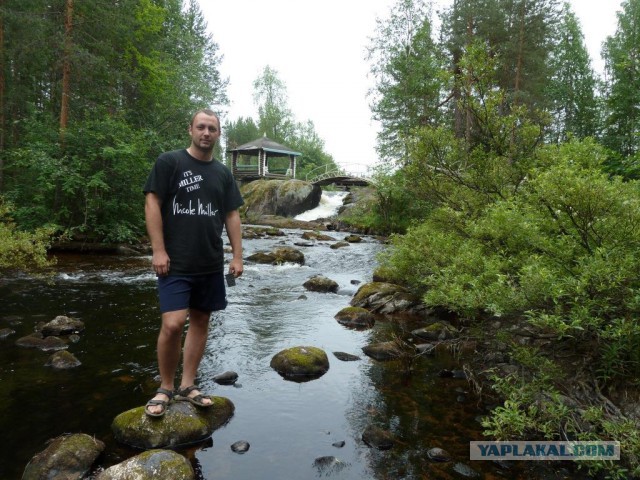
387, 298
68, 456
320, 283
151, 465
182, 424
383, 351
286, 198
301, 363
440, 330
278, 256
318, 236
355, 317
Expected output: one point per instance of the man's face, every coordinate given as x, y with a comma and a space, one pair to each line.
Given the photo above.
204, 132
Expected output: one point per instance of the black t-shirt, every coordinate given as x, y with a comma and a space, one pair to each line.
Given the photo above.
196, 197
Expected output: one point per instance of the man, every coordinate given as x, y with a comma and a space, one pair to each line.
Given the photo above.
189, 197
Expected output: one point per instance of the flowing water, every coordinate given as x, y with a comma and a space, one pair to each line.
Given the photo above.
287, 424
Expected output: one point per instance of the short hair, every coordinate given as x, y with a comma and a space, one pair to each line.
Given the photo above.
206, 111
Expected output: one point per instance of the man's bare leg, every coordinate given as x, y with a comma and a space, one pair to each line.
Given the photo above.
169, 344
194, 345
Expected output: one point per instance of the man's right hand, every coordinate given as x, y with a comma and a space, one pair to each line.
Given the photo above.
161, 263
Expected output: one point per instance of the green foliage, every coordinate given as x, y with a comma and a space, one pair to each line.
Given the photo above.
92, 187
19, 249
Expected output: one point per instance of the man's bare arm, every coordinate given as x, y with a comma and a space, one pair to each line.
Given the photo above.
234, 231
153, 217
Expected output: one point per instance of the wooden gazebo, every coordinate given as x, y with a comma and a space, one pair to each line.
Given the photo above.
264, 149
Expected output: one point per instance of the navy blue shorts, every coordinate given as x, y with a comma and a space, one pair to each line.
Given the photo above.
201, 292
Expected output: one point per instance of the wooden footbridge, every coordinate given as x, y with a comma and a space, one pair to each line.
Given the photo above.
356, 176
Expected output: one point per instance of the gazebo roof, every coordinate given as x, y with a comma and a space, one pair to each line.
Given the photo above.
267, 145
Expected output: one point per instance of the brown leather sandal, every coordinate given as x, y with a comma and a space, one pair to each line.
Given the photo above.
163, 403
197, 400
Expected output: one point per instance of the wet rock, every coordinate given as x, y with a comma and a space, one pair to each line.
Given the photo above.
63, 360
355, 282
437, 331
151, 465
300, 363
62, 325
356, 317
465, 470
426, 349
383, 351
240, 446
304, 244
317, 236
346, 357
353, 239
226, 378
376, 437
278, 256
338, 245
182, 424
329, 465
379, 297
439, 455
6, 332
320, 283
66, 457
302, 297
49, 344
339, 444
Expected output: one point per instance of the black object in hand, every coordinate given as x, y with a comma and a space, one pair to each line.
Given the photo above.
231, 280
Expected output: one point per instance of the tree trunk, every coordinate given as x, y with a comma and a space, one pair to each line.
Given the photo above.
66, 68
2, 87
518, 79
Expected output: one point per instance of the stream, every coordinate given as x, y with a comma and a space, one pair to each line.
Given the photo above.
287, 424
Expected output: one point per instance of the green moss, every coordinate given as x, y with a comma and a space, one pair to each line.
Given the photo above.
372, 288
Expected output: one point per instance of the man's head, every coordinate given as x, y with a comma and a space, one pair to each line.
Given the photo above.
204, 130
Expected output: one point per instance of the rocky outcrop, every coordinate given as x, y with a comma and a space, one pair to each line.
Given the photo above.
388, 298
66, 457
182, 424
286, 198
151, 465
301, 363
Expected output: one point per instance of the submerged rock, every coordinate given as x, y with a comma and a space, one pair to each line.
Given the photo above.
182, 424
329, 465
375, 437
339, 244
66, 457
49, 344
5, 332
318, 236
439, 455
151, 465
439, 330
301, 363
63, 360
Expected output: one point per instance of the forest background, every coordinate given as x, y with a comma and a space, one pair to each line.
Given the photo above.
508, 183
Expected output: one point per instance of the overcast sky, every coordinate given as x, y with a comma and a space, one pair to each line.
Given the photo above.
318, 49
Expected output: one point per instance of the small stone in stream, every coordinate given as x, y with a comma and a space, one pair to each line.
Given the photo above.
226, 378
438, 455
465, 470
346, 357
240, 446
339, 444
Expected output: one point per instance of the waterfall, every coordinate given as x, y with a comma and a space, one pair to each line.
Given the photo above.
330, 202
